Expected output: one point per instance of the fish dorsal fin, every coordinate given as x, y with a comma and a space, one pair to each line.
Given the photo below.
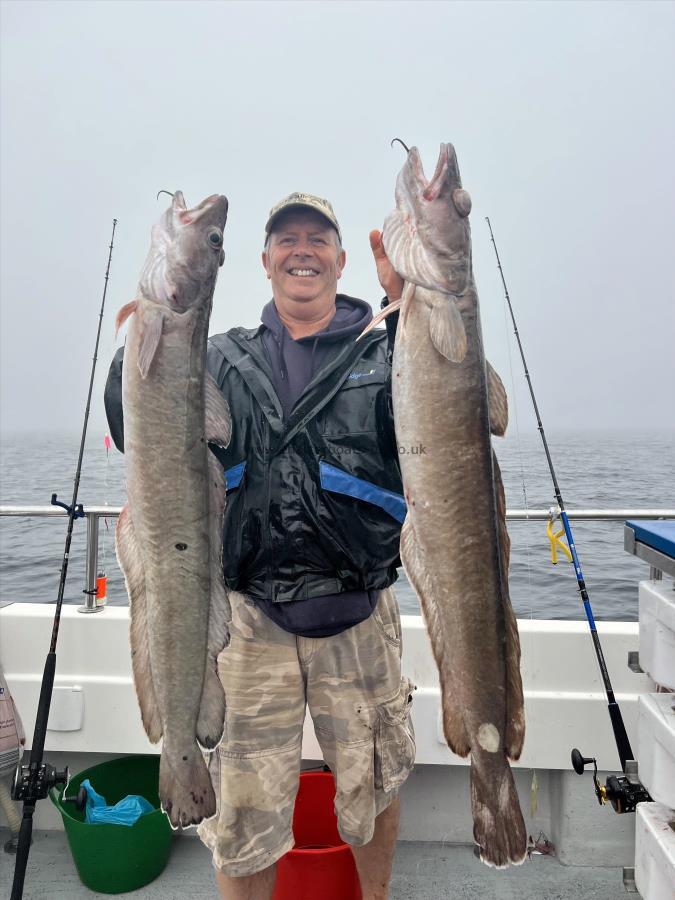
446, 327
124, 313
497, 402
211, 717
150, 338
515, 710
218, 423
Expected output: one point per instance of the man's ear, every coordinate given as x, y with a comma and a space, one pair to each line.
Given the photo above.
341, 262
265, 262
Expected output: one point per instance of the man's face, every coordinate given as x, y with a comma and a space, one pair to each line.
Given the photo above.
302, 259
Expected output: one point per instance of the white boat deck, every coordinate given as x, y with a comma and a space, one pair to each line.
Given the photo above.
94, 717
422, 871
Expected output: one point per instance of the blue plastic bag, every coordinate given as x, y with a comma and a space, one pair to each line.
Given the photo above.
126, 812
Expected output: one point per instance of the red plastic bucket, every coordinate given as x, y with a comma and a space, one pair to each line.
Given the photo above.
321, 865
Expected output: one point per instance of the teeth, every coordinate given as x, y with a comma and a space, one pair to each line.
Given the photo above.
303, 272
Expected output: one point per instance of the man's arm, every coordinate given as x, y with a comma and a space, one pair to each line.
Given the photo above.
112, 398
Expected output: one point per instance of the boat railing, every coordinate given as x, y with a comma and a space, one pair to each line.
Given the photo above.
92, 515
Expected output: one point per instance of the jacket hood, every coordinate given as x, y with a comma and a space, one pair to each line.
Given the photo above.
351, 317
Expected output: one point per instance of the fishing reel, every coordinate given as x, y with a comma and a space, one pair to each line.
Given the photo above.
624, 792
34, 783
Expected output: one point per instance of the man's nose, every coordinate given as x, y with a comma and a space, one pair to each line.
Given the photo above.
303, 248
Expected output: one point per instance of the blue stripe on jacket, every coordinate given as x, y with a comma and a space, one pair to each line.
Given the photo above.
234, 475
340, 482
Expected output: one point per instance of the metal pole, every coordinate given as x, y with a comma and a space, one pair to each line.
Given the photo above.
92, 566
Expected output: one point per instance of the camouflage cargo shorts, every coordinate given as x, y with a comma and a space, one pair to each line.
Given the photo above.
360, 706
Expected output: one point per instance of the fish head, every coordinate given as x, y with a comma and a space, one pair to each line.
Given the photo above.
185, 253
427, 237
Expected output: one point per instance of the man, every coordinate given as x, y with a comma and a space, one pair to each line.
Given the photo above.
311, 534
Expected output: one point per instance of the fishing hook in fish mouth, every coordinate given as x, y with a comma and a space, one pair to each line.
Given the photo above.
407, 150
163, 192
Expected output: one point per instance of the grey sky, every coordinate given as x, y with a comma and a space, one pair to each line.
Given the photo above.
561, 115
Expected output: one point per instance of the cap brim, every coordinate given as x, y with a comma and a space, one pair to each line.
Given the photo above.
293, 207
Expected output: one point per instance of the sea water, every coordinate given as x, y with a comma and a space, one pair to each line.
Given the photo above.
595, 470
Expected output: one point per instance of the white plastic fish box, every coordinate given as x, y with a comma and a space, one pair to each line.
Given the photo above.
656, 747
655, 851
657, 631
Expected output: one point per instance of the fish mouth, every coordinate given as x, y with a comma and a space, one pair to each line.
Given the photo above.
432, 188
190, 216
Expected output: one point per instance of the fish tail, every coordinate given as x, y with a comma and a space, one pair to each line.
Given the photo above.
185, 789
498, 826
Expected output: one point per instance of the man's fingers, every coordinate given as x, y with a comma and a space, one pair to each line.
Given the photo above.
389, 278
375, 238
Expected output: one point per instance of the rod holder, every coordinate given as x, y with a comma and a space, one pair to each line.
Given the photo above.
90, 590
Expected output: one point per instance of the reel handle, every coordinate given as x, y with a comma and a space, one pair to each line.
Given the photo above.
580, 762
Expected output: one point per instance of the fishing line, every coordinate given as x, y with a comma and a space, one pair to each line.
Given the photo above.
520, 464
534, 782
34, 781
620, 735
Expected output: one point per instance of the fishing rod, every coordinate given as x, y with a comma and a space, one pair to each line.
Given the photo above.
34, 781
623, 786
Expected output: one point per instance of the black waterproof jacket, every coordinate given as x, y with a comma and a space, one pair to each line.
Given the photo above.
314, 502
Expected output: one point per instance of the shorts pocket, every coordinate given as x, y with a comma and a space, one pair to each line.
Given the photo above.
394, 739
387, 619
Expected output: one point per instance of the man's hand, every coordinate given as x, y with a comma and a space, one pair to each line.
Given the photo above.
389, 278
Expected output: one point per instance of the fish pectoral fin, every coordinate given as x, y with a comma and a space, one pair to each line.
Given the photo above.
498, 403
390, 308
515, 705
131, 564
416, 569
123, 314
446, 327
150, 338
217, 422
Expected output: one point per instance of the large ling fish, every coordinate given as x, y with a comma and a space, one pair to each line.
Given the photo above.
169, 535
454, 543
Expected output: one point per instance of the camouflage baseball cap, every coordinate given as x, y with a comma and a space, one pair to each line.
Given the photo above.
303, 201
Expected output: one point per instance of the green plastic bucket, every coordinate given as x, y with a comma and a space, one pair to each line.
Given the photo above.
113, 859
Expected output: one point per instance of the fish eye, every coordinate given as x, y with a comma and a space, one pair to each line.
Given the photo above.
215, 237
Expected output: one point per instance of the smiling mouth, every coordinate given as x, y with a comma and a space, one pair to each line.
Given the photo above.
303, 273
